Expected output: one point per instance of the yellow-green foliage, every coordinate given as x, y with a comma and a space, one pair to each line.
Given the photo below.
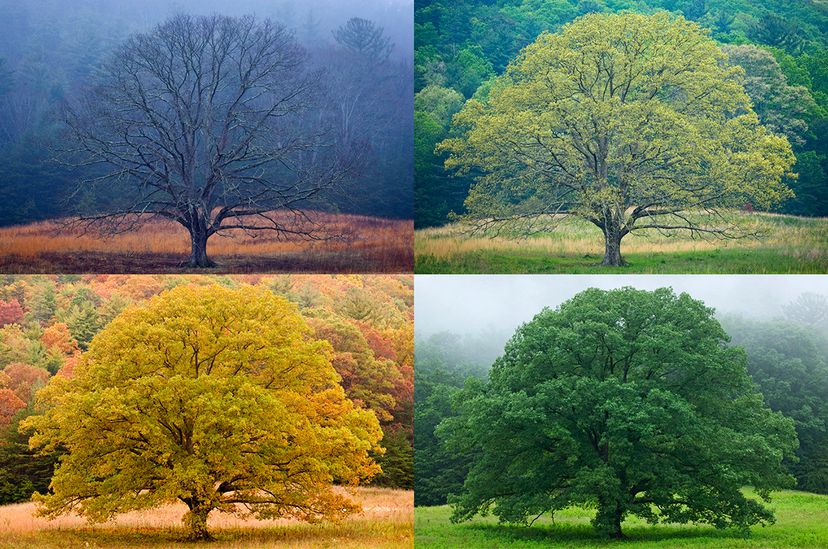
210, 396
625, 120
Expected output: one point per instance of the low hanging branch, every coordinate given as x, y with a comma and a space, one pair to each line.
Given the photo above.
206, 121
629, 121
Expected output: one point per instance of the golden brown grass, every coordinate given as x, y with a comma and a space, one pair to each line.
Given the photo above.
577, 246
387, 521
351, 243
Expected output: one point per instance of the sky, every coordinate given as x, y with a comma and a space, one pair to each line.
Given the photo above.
472, 304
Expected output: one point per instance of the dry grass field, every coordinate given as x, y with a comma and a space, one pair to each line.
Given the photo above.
350, 243
787, 244
387, 521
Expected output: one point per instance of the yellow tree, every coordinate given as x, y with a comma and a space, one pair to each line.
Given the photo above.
214, 397
630, 121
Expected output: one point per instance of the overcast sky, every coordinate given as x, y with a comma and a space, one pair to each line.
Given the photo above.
472, 303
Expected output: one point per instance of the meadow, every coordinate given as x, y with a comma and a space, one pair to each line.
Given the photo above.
801, 521
347, 244
785, 244
386, 522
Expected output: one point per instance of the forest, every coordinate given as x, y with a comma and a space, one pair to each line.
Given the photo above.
47, 324
784, 347
462, 46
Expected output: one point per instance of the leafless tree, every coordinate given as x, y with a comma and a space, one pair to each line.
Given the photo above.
207, 121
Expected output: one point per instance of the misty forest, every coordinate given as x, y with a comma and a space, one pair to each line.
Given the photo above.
600, 415
695, 129
247, 120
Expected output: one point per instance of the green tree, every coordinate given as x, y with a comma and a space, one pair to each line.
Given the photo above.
788, 366
628, 401
632, 122
215, 397
782, 108
22, 470
84, 323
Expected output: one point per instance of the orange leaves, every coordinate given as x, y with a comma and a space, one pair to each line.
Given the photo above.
10, 312
10, 404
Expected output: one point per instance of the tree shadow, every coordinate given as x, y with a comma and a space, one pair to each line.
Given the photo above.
583, 535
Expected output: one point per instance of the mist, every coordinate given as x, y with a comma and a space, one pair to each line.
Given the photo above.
497, 304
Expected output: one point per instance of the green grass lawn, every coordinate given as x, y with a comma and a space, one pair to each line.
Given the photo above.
801, 521
788, 245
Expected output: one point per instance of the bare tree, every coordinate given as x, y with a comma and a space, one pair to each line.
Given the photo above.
206, 121
808, 308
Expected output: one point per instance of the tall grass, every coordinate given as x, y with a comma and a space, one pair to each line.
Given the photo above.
348, 243
783, 244
386, 521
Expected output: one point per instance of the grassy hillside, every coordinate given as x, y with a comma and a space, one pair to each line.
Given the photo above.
385, 523
802, 521
788, 244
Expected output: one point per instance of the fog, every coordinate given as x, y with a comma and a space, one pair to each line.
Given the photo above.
498, 304
117, 18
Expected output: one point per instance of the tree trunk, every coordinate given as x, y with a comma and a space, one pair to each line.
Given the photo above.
609, 518
612, 247
196, 522
198, 255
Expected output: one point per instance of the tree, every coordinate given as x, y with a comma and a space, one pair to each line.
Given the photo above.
24, 380
782, 108
215, 397
788, 366
203, 121
364, 38
628, 401
809, 309
83, 322
629, 121
10, 312
22, 472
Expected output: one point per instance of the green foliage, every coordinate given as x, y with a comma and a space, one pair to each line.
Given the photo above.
443, 363
83, 322
397, 462
22, 470
626, 401
787, 363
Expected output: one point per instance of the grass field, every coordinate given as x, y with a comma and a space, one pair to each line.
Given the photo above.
801, 522
386, 522
357, 244
788, 245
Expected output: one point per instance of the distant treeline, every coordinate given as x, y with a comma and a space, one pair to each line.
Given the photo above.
461, 45
50, 53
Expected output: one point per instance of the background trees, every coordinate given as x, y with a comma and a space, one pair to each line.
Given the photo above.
501, 28
211, 396
632, 122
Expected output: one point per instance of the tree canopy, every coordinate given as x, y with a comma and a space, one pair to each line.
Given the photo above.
626, 400
794, 33
215, 397
632, 122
